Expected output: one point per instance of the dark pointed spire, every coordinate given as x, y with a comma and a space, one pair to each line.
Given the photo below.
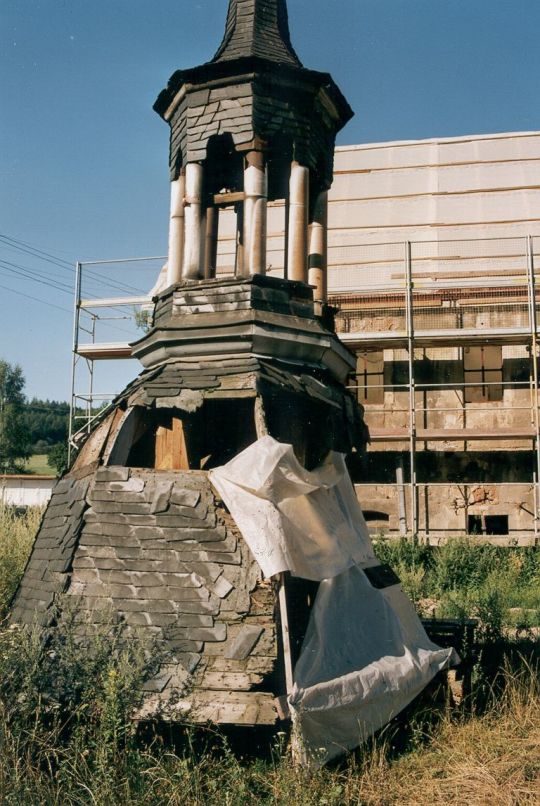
257, 28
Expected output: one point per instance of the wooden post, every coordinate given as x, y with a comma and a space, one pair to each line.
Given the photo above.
285, 634
192, 268
240, 251
211, 242
255, 212
298, 223
176, 230
318, 248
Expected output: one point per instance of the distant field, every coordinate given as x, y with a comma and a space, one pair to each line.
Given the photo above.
37, 465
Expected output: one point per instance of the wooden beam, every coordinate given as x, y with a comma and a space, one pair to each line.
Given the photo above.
228, 198
170, 450
450, 434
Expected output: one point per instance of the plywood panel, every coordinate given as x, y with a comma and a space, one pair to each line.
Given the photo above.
171, 451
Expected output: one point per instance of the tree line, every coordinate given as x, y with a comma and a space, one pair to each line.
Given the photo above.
29, 426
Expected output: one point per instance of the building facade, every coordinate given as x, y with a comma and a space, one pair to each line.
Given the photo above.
432, 249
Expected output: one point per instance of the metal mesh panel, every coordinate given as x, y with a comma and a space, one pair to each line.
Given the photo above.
456, 286
359, 267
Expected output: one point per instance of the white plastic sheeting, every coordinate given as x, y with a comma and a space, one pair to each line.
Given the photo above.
308, 523
365, 655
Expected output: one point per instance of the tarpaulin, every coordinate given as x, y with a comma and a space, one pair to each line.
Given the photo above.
365, 655
309, 523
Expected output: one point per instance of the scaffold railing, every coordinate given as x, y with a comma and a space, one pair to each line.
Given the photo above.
112, 306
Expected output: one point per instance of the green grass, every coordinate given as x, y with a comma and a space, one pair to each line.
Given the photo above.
67, 737
465, 578
37, 465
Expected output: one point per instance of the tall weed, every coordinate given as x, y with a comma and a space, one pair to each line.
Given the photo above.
17, 532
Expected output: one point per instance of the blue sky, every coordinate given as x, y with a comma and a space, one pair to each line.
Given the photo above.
84, 157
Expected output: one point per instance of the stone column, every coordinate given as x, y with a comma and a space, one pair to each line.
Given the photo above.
297, 260
176, 230
318, 248
193, 241
255, 212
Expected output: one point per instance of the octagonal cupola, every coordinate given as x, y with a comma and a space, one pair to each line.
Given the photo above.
251, 126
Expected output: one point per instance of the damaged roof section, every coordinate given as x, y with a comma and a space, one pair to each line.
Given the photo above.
161, 553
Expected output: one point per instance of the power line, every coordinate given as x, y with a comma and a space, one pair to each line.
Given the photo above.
38, 277
37, 273
42, 301
20, 271
40, 254
12, 244
37, 249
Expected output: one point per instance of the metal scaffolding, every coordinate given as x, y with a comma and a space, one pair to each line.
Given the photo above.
106, 303
446, 294
409, 298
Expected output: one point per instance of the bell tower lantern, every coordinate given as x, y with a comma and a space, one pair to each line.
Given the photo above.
251, 126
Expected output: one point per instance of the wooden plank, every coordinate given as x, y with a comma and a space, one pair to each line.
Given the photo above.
94, 352
229, 681
450, 434
171, 450
228, 198
94, 445
285, 634
234, 708
119, 446
179, 448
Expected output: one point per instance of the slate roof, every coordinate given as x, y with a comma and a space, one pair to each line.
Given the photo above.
255, 90
257, 28
47, 573
175, 383
159, 551
166, 382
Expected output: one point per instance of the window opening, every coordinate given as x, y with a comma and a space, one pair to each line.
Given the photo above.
370, 376
211, 436
487, 525
373, 515
483, 365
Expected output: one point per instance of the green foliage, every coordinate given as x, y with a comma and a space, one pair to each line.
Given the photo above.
462, 563
57, 458
14, 435
47, 422
466, 579
142, 319
66, 705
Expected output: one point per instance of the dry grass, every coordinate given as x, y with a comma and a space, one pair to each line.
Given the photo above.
16, 538
492, 760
